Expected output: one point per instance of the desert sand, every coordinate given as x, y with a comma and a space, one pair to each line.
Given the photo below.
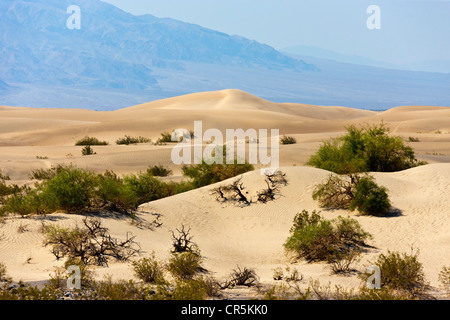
231, 236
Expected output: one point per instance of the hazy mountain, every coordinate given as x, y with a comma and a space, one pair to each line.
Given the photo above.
117, 60
113, 49
303, 52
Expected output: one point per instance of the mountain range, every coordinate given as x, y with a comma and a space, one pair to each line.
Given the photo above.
117, 59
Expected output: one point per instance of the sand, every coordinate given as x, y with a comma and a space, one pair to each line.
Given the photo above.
230, 236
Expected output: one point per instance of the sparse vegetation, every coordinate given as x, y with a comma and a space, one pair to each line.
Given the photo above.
91, 244
242, 277
159, 171
369, 149
127, 140
402, 272
166, 137
87, 151
150, 270
90, 141
205, 174
288, 140
444, 279
353, 192
413, 139
316, 239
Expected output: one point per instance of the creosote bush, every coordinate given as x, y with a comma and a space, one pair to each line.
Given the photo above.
402, 272
90, 244
205, 174
368, 149
127, 140
87, 151
316, 239
90, 141
149, 270
353, 192
288, 140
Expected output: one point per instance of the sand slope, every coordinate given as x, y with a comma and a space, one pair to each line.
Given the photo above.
228, 235
253, 236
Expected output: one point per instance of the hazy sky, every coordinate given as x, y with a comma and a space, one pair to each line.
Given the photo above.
410, 30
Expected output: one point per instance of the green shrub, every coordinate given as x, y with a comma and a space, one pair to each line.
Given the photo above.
166, 137
3, 273
90, 141
72, 189
444, 279
127, 140
159, 171
149, 270
205, 174
185, 265
315, 239
370, 198
288, 140
353, 192
402, 272
87, 151
47, 174
113, 192
367, 149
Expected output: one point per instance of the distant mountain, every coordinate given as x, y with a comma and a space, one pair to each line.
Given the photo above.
113, 49
302, 52
118, 60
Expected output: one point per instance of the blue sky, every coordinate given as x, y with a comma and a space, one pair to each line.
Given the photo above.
410, 30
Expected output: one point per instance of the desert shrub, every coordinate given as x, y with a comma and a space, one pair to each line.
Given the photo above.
87, 151
205, 174
242, 277
370, 198
91, 244
182, 242
288, 140
7, 190
342, 261
166, 137
127, 140
47, 174
402, 272
316, 239
185, 265
4, 176
413, 139
362, 150
184, 289
117, 291
90, 141
113, 193
3, 273
444, 279
72, 189
159, 171
147, 188
233, 192
28, 201
353, 192
149, 270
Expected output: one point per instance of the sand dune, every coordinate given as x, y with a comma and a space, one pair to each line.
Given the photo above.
228, 235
